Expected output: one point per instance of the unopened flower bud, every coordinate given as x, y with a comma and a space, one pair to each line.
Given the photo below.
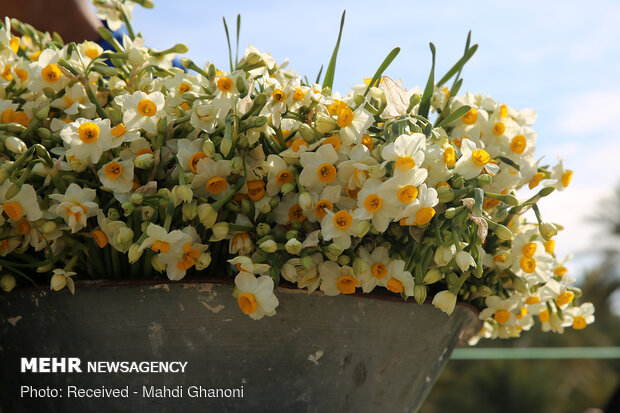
262, 229
113, 214
143, 161
432, 276
445, 194
325, 123
123, 238
484, 179
274, 202
181, 193
48, 227
7, 283
307, 262
15, 145
134, 253
344, 260
269, 246
11, 191
220, 231
362, 228
450, 213
207, 215
464, 260
236, 164
458, 182
203, 261
306, 132
128, 208
189, 210
147, 212
157, 264
287, 187
360, 266
503, 233
444, 254
305, 200
208, 147
293, 246
376, 171
333, 251
419, 293
77, 164
265, 209
225, 146
547, 230
445, 301
137, 198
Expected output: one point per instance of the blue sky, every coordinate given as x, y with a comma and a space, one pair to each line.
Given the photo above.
560, 58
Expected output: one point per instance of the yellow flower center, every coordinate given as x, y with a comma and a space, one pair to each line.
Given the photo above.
143, 151
7, 116
404, 163
517, 145
499, 258
345, 117
51, 73
160, 246
146, 107
373, 203
565, 298
529, 249
100, 238
424, 216
88, 132
528, 264
193, 160
499, 128
347, 284
449, 156
284, 177
394, 286
579, 323
295, 213
21, 74
216, 185
333, 141
566, 177
538, 176
480, 157
326, 173
408, 193
503, 111
189, 257
342, 219
561, 270
502, 316
378, 270
92, 53
298, 143
298, 95
335, 107
319, 208
470, 117
247, 303
118, 131
367, 142
279, 95
14, 44
21, 118
522, 313
13, 210
532, 300
224, 84
184, 87
23, 227
113, 170
550, 246
544, 316
256, 189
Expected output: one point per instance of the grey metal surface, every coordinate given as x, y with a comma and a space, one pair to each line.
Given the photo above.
318, 354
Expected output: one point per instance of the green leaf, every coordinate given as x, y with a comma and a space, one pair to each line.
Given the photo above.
386, 62
458, 65
238, 31
425, 103
229, 48
331, 68
318, 77
509, 162
454, 116
456, 87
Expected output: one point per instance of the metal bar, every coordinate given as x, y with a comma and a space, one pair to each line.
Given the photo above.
536, 353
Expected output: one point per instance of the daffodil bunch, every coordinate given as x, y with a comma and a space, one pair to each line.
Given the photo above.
114, 163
